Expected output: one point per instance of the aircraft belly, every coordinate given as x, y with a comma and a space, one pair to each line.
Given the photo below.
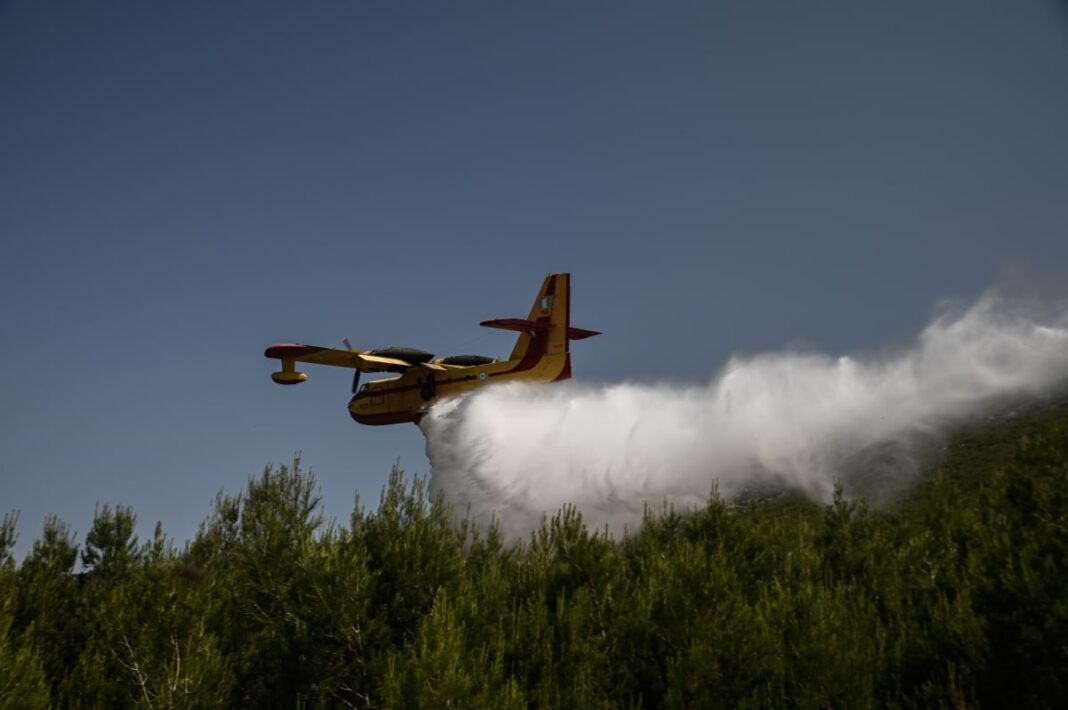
384, 419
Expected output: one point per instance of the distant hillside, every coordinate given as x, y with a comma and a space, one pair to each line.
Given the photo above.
973, 448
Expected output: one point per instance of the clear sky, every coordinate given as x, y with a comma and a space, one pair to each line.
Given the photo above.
182, 184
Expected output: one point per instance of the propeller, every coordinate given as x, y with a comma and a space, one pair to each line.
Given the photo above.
356, 374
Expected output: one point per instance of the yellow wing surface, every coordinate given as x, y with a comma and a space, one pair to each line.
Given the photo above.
292, 353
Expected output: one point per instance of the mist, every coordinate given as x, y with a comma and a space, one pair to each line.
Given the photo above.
782, 421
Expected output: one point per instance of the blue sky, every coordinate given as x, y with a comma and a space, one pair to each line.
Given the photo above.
183, 184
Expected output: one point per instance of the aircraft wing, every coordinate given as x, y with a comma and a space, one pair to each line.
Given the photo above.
390, 364
354, 359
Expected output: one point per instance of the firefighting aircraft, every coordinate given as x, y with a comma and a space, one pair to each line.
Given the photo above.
541, 354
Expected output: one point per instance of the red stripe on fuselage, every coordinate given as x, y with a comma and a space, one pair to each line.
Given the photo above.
565, 374
535, 352
567, 326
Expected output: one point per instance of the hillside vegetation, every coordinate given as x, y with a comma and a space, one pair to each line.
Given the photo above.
955, 597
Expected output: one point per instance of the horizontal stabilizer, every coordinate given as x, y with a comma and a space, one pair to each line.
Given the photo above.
581, 333
528, 326
521, 324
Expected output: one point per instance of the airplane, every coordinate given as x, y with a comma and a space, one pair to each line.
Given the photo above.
542, 353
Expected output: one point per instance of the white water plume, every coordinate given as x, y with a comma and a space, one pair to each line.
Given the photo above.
782, 420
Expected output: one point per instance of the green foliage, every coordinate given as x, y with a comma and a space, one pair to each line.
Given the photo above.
50, 609
23, 683
956, 597
22, 680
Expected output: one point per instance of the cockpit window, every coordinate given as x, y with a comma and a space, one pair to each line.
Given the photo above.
365, 387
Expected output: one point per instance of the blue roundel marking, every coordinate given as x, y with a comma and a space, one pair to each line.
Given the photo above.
482, 376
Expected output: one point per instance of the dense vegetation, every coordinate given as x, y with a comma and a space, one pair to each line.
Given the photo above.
956, 597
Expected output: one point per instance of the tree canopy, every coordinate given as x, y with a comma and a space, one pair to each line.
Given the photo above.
954, 597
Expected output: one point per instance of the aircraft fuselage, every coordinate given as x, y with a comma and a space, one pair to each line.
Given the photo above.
406, 398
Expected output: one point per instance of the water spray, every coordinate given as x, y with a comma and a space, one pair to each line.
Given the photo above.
776, 421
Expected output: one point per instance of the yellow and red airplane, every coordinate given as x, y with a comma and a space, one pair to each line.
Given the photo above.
541, 354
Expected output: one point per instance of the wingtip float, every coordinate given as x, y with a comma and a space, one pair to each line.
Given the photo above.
542, 353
